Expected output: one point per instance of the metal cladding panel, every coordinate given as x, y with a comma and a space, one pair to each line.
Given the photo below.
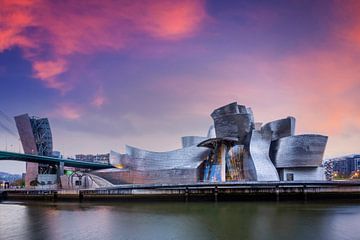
259, 153
188, 141
36, 138
189, 157
114, 158
235, 163
281, 128
169, 176
236, 125
232, 108
211, 132
115, 176
298, 151
175, 176
215, 165
43, 137
118, 160
233, 120
26, 134
35, 135
27, 138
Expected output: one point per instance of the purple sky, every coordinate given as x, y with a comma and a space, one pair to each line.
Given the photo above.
145, 73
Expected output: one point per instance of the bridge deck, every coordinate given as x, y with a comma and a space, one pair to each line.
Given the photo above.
51, 160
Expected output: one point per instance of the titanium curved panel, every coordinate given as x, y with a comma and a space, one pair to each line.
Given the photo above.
118, 160
188, 141
233, 120
190, 157
232, 108
237, 126
281, 128
126, 176
298, 151
114, 175
211, 132
264, 169
114, 158
249, 111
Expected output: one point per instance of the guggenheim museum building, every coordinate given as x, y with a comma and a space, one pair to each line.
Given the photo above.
236, 148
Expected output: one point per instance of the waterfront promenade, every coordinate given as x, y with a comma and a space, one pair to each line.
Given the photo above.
272, 191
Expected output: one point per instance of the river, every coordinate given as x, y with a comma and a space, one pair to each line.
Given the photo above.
174, 220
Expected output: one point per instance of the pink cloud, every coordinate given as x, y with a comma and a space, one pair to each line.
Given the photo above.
87, 27
348, 26
99, 99
173, 19
67, 111
47, 71
317, 87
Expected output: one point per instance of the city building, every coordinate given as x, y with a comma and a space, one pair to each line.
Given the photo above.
99, 158
344, 167
36, 138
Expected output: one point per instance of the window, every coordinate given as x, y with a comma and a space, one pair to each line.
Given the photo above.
289, 177
77, 183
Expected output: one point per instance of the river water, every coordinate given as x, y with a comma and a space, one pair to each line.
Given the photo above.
200, 220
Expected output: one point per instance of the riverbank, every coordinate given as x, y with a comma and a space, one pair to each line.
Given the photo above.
239, 191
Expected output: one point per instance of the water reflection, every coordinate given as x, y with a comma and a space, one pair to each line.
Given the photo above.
241, 220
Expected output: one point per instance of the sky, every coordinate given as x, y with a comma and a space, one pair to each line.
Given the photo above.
146, 72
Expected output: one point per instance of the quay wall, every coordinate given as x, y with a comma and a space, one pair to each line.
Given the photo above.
242, 191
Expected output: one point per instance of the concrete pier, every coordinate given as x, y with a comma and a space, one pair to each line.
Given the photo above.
239, 191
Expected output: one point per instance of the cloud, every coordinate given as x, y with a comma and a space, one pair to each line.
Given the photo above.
318, 87
172, 19
47, 71
67, 111
50, 33
99, 99
348, 25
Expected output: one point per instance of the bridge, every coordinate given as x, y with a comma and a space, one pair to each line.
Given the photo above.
52, 160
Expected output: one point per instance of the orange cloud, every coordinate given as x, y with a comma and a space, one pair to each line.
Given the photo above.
47, 71
86, 27
171, 19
